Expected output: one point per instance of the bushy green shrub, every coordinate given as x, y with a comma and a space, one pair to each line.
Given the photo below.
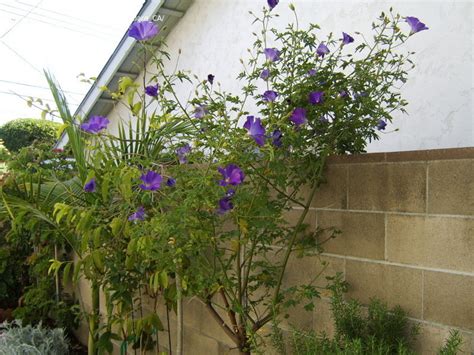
377, 331
26, 340
23, 132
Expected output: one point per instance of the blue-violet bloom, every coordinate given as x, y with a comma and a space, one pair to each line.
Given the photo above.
225, 205
272, 54
151, 181
269, 96
143, 30
139, 215
322, 50
232, 175
90, 185
171, 182
200, 111
183, 152
381, 124
210, 78
95, 124
346, 39
265, 74
312, 72
316, 97
415, 24
276, 138
152, 90
256, 130
272, 3
298, 116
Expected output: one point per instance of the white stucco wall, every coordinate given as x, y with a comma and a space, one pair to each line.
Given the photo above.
214, 34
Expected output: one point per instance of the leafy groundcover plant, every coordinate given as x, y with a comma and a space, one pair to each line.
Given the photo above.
189, 199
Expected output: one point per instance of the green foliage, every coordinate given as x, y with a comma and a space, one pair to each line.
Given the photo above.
4, 153
452, 345
389, 327
32, 340
377, 331
22, 132
13, 274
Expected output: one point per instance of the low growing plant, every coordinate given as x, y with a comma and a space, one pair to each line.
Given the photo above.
32, 340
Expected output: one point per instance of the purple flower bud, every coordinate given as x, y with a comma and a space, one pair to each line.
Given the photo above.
139, 215
312, 72
171, 182
343, 93
225, 205
95, 124
269, 96
381, 124
272, 54
182, 153
316, 97
255, 129
265, 74
143, 30
276, 138
298, 116
90, 186
322, 50
346, 39
200, 111
230, 193
272, 3
151, 181
232, 175
210, 78
415, 24
152, 90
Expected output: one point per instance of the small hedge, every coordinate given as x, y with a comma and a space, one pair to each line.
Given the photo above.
23, 132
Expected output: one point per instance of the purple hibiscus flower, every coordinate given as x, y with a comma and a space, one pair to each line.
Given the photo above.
272, 3
151, 181
139, 215
152, 90
316, 97
322, 50
381, 124
265, 74
312, 72
272, 54
256, 130
346, 39
143, 30
269, 96
298, 116
171, 182
200, 111
90, 186
210, 78
232, 175
276, 138
415, 24
95, 124
225, 205
183, 152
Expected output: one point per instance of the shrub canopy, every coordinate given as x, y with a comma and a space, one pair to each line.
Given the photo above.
23, 132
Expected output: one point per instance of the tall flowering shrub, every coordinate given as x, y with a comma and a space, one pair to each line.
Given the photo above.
189, 199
